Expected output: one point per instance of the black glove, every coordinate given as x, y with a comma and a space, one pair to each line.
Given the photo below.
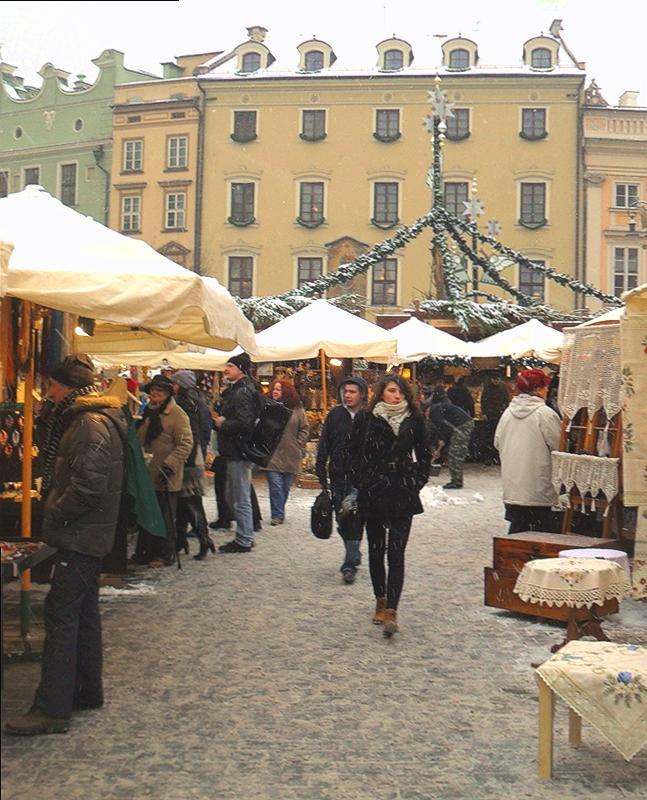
166, 472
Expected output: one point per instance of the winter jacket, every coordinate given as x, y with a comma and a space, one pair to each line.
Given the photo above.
82, 505
461, 396
241, 405
526, 434
172, 447
382, 465
287, 456
444, 417
494, 400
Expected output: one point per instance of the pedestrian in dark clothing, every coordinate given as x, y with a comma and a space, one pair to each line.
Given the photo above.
461, 396
494, 401
84, 462
389, 464
332, 463
241, 404
451, 425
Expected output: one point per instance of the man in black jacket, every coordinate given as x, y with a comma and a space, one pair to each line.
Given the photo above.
241, 405
84, 456
450, 425
332, 461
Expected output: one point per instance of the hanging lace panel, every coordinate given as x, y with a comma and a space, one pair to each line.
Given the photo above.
588, 474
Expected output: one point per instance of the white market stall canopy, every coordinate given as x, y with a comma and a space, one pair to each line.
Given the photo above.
322, 326
66, 261
180, 358
531, 339
416, 340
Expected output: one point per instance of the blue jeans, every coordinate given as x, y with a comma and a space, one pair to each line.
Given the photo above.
350, 529
279, 484
239, 483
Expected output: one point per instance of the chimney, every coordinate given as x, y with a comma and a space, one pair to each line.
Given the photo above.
628, 99
257, 33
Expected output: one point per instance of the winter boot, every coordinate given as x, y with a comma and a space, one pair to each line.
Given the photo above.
390, 622
380, 609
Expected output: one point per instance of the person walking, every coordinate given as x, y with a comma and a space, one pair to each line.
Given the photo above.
241, 404
527, 433
190, 509
165, 436
331, 463
84, 467
286, 459
494, 401
451, 425
461, 396
389, 463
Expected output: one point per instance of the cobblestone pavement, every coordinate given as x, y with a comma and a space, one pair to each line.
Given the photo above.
260, 677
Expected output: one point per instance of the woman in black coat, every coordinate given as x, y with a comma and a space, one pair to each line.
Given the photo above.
389, 463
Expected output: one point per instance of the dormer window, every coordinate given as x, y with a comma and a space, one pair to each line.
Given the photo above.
459, 59
393, 60
314, 61
251, 62
541, 58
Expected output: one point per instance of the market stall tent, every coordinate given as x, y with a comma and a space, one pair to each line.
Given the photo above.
416, 340
182, 357
66, 261
531, 339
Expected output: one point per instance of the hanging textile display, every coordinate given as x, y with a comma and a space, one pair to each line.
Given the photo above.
588, 474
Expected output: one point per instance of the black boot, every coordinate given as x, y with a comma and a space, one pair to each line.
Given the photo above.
206, 544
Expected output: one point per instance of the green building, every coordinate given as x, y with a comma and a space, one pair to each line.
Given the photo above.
59, 135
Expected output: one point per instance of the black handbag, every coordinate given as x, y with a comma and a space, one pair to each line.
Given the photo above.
268, 429
321, 516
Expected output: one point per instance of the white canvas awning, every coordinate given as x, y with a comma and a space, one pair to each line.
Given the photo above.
417, 340
532, 339
181, 358
322, 326
67, 261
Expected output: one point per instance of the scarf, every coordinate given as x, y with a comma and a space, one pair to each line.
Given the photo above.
54, 432
393, 414
154, 417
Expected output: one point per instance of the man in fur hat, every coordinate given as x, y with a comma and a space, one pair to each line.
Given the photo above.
83, 477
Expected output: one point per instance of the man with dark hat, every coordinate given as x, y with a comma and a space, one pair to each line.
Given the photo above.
84, 455
333, 463
241, 405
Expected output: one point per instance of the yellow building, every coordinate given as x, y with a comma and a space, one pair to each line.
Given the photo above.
615, 192
308, 163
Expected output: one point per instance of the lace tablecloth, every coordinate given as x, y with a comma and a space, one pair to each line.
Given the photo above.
606, 684
572, 582
588, 474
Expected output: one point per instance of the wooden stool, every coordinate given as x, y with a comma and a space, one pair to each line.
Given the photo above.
545, 742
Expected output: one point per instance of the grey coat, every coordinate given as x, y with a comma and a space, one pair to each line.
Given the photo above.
287, 456
82, 505
172, 447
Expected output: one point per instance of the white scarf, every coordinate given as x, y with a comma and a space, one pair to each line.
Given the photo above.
394, 414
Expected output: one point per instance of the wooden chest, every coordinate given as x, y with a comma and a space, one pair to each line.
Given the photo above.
510, 553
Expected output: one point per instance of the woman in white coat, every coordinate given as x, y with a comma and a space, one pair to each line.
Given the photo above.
527, 433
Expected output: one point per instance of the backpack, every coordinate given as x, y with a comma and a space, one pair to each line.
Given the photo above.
268, 429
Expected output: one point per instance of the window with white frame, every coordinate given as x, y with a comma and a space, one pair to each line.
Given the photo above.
533, 123
311, 204
385, 203
541, 58
627, 195
384, 283
309, 268
4, 184
177, 152
393, 60
133, 155
313, 125
458, 126
68, 184
314, 61
131, 213
244, 126
242, 204
531, 281
251, 62
532, 211
175, 210
625, 269
455, 194
31, 176
459, 58
387, 124
241, 276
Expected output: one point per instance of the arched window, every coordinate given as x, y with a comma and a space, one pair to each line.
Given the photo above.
251, 62
314, 61
540, 58
459, 59
393, 60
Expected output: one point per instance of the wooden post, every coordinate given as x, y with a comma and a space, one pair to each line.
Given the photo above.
545, 743
28, 433
324, 387
574, 728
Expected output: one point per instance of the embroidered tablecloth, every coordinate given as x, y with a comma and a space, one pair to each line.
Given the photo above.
617, 556
572, 582
606, 684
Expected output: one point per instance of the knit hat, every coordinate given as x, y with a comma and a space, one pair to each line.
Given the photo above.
242, 361
358, 381
74, 371
184, 378
159, 382
530, 379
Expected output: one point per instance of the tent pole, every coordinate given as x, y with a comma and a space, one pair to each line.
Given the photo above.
28, 439
324, 388
413, 373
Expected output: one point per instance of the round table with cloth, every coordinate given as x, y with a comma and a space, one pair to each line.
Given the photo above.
617, 556
575, 583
